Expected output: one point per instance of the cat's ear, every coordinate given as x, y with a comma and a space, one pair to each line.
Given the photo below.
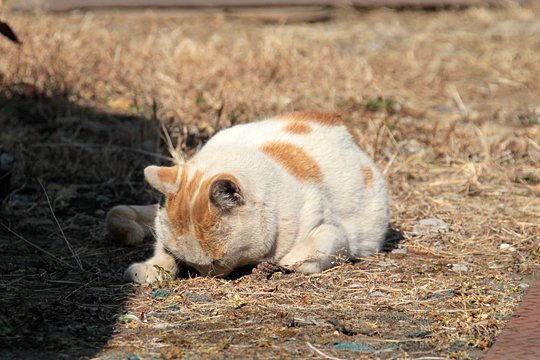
225, 193
163, 179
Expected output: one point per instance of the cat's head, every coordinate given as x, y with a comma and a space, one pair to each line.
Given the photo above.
210, 220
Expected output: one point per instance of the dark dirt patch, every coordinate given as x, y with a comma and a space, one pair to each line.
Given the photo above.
61, 283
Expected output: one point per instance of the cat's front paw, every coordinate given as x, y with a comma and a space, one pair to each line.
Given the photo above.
144, 273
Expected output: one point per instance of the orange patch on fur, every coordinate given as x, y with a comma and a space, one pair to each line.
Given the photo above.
194, 183
367, 174
206, 216
298, 127
168, 174
324, 118
178, 206
295, 159
184, 210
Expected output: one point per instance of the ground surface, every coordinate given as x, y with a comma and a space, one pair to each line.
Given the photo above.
446, 102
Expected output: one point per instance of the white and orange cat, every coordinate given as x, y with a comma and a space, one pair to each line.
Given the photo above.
293, 190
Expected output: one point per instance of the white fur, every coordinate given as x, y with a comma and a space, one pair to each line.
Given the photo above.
303, 225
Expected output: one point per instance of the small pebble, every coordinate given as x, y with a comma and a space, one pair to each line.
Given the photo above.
403, 250
419, 334
507, 247
430, 225
126, 318
197, 298
386, 263
356, 347
6, 162
439, 294
524, 286
160, 294
460, 268
172, 307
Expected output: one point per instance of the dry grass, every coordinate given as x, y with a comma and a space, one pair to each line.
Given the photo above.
446, 102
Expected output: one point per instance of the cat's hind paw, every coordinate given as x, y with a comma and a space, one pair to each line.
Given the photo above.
122, 224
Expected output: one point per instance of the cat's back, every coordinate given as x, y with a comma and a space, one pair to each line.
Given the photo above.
313, 147
316, 133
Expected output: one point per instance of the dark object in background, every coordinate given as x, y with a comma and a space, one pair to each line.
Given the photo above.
6, 30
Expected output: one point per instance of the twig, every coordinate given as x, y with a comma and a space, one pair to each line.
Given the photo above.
73, 251
459, 101
77, 289
321, 353
176, 155
387, 167
390, 135
533, 144
38, 247
218, 116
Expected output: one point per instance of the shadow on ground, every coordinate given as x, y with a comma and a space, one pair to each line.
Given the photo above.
392, 239
61, 167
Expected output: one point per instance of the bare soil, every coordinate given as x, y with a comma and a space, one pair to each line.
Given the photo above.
447, 103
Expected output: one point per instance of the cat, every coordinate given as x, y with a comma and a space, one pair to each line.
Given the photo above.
294, 190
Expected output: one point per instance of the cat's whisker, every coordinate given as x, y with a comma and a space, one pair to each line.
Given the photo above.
229, 267
151, 229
